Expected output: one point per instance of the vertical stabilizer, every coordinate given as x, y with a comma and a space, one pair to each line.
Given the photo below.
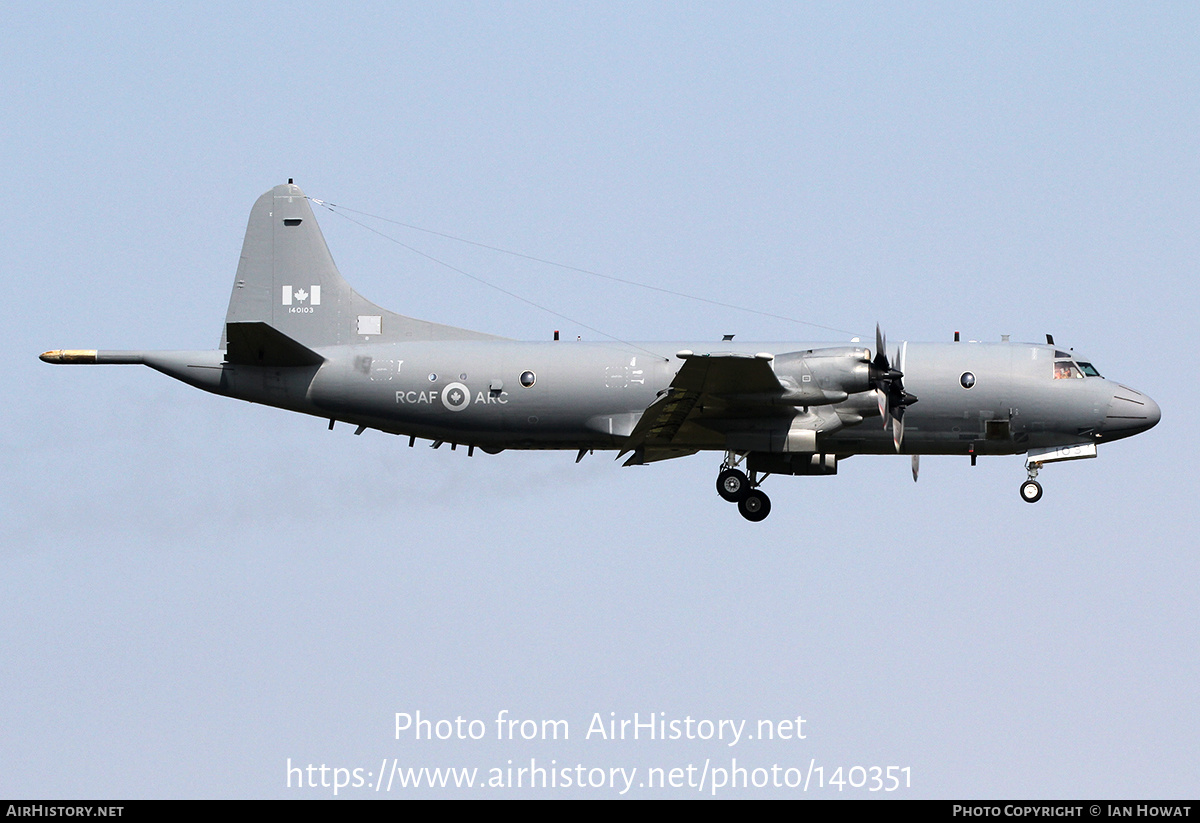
286, 278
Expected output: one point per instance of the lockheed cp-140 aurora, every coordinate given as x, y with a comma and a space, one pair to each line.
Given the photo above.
298, 337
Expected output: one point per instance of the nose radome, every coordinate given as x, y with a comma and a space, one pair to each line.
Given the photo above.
1130, 412
1153, 413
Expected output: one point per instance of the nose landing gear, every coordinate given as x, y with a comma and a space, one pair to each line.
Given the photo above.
735, 486
1031, 490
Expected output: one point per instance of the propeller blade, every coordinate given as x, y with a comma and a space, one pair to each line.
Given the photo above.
888, 381
916, 466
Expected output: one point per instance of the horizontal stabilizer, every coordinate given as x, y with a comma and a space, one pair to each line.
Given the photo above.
258, 344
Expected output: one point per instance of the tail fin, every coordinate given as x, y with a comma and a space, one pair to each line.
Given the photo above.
286, 278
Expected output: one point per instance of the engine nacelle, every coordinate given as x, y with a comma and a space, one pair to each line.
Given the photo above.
839, 369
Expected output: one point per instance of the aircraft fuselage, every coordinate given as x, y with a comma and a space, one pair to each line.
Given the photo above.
590, 395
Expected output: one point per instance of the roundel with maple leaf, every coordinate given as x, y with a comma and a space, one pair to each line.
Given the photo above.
456, 396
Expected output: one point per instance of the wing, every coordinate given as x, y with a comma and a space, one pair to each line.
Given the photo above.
711, 394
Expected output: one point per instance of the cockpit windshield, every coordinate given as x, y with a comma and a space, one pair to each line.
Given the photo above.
1067, 370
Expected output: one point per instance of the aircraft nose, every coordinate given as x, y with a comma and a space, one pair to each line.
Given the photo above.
1130, 412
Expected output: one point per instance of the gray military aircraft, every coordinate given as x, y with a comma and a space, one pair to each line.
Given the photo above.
297, 336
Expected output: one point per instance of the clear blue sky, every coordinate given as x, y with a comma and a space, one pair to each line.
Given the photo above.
196, 590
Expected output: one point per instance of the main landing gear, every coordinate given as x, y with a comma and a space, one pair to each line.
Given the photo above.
736, 486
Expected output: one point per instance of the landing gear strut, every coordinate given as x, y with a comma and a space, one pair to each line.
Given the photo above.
736, 486
1031, 490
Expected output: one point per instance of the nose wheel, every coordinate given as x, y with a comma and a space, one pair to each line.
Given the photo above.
735, 486
1031, 490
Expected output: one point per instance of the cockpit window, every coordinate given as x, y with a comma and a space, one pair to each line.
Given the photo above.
1089, 369
1065, 370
